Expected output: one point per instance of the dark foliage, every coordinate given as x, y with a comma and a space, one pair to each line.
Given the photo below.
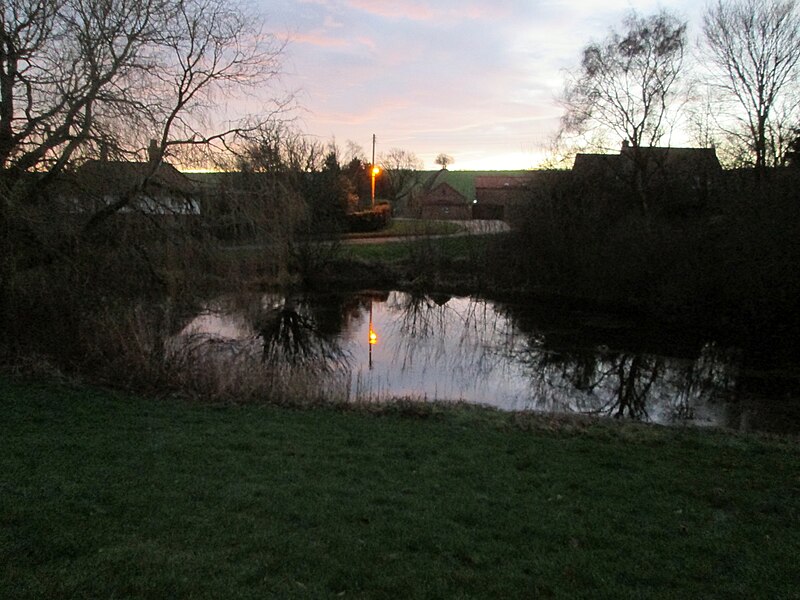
728, 264
373, 219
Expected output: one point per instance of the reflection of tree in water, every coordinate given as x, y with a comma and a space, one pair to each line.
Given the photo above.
713, 377
456, 336
615, 384
625, 384
294, 331
421, 316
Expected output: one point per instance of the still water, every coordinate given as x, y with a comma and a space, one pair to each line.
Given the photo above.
439, 348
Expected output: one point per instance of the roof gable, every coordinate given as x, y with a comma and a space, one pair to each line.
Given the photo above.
444, 193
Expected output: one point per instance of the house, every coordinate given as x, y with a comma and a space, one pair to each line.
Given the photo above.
143, 187
654, 161
445, 202
507, 195
474, 194
439, 199
598, 166
671, 178
502, 196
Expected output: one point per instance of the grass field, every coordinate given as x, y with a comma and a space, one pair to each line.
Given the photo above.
414, 241
423, 249
410, 227
105, 495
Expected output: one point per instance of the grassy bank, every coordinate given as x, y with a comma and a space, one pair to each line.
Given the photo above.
410, 227
104, 495
425, 251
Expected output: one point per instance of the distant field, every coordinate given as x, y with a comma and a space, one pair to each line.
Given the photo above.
105, 495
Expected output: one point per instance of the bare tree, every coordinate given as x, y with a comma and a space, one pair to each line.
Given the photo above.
85, 78
259, 197
78, 77
626, 84
354, 153
401, 170
754, 46
444, 160
705, 129
793, 154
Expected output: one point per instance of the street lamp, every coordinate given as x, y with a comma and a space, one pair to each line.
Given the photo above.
375, 170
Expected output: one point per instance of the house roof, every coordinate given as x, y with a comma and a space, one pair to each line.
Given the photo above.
104, 176
585, 161
688, 160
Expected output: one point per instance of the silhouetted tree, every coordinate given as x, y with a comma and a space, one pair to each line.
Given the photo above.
754, 47
81, 79
81, 76
262, 199
401, 173
627, 85
444, 160
793, 155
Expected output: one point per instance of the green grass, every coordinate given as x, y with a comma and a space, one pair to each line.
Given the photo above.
432, 249
414, 230
104, 495
411, 227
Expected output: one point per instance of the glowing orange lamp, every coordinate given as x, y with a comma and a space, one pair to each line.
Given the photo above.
375, 170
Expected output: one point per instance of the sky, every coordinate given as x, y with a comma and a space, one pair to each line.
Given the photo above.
477, 80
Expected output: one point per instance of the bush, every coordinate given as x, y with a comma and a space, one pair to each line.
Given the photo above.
373, 219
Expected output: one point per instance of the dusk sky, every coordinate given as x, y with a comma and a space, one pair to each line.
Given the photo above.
476, 80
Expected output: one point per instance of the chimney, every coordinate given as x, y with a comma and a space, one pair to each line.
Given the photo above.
154, 152
104, 152
626, 146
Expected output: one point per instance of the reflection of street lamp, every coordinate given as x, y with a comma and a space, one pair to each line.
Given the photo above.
375, 170
373, 337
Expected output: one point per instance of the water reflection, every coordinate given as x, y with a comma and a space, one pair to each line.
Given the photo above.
290, 331
441, 348
638, 386
280, 329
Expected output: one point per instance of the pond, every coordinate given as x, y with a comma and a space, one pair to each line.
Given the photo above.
387, 345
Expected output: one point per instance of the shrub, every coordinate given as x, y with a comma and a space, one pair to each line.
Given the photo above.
373, 219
